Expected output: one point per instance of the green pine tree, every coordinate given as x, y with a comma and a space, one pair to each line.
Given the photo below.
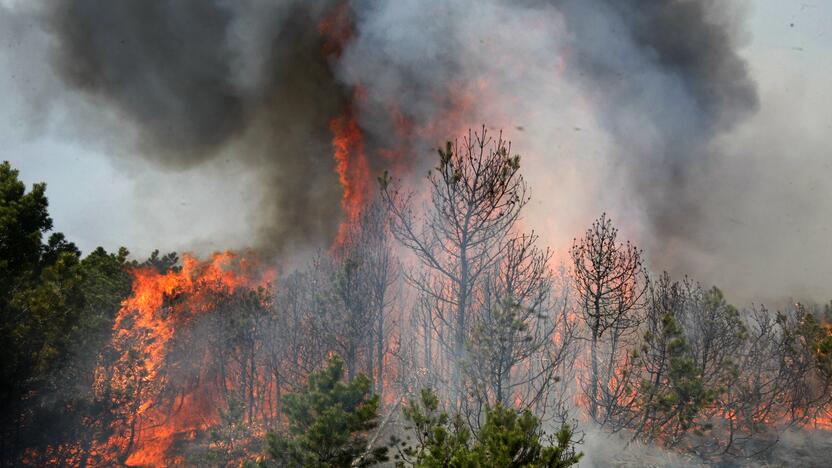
439, 439
507, 439
56, 313
328, 422
672, 394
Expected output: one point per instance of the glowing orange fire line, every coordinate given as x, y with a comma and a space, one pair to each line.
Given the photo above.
352, 167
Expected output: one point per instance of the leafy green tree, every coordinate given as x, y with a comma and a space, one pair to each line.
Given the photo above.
816, 339
52, 306
328, 422
88, 408
27, 329
807, 356
515, 440
507, 439
162, 263
715, 334
23, 221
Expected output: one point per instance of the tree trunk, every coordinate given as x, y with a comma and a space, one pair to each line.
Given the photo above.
428, 358
350, 358
459, 336
370, 362
253, 382
505, 385
380, 352
593, 378
610, 369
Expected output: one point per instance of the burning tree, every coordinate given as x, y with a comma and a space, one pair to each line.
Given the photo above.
476, 194
365, 270
485, 291
708, 379
188, 344
609, 280
671, 388
521, 336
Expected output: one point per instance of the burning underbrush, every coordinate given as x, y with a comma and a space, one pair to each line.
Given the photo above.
417, 283
205, 352
202, 360
185, 355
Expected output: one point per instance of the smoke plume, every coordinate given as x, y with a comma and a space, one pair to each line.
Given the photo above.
196, 80
615, 105
668, 80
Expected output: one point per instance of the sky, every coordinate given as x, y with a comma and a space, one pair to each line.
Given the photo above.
96, 199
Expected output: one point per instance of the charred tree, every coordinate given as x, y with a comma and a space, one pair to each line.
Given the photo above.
609, 280
475, 196
514, 356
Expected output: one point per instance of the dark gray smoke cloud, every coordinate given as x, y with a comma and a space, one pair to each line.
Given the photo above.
616, 105
167, 66
669, 79
663, 79
199, 80
254, 81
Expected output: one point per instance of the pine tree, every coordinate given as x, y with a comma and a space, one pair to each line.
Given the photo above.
672, 393
328, 422
507, 439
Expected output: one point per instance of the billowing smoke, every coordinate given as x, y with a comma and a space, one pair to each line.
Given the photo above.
198, 80
621, 101
167, 66
615, 105
667, 79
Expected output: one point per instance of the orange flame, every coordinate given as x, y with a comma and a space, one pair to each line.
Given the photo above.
143, 329
347, 138
352, 167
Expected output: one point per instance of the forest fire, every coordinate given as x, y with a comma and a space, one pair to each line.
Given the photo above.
153, 304
352, 168
440, 289
162, 305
